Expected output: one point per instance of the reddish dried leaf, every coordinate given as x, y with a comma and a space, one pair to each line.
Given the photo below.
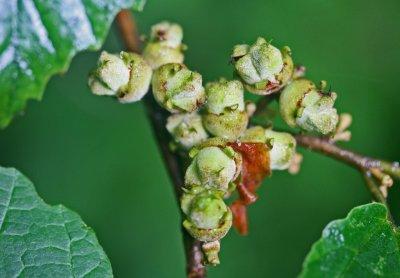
239, 211
255, 165
247, 197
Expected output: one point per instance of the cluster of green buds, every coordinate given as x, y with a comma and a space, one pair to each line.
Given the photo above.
263, 68
219, 111
126, 76
225, 114
165, 45
304, 105
208, 179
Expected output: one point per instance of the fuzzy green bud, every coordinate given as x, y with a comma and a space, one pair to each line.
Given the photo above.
205, 209
165, 45
224, 95
212, 167
229, 125
207, 216
263, 68
186, 129
283, 149
167, 34
255, 134
127, 76
178, 89
303, 105
111, 74
139, 78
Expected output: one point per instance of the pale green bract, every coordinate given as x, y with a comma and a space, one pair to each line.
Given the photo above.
39, 39
39, 240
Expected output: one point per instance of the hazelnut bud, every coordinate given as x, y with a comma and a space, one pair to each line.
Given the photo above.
303, 105
167, 34
127, 76
263, 68
186, 129
204, 209
283, 149
229, 125
224, 95
208, 217
254, 134
111, 74
165, 45
212, 167
139, 78
178, 89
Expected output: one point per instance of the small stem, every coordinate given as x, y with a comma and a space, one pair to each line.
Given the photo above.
173, 162
373, 188
353, 159
326, 147
376, 193
363, 163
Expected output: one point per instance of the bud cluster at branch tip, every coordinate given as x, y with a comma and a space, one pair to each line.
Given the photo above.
209, 125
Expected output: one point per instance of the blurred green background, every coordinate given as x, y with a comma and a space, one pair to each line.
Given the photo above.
98, 157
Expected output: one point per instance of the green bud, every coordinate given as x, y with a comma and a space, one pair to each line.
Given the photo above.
127, 76
254, 134
165, 45
208, 217
139, 78
157, 55
229, 125
224, 96
302, 105
167, 34
263, 68
111, 74
178, 89
283, 149
99, 88
206, 210
186, 129
212, 167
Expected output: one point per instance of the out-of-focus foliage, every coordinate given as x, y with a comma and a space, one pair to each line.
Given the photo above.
39, 39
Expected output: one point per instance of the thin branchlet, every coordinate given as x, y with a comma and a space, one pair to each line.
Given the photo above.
174, 163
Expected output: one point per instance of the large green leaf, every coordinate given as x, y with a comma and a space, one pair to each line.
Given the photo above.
39, 240
364, 244
38, 38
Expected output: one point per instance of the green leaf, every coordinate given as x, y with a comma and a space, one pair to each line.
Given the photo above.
138, 5
39, 240
364, 244
38, 38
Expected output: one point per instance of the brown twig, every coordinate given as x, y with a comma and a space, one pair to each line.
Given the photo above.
363, 163
173, 162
